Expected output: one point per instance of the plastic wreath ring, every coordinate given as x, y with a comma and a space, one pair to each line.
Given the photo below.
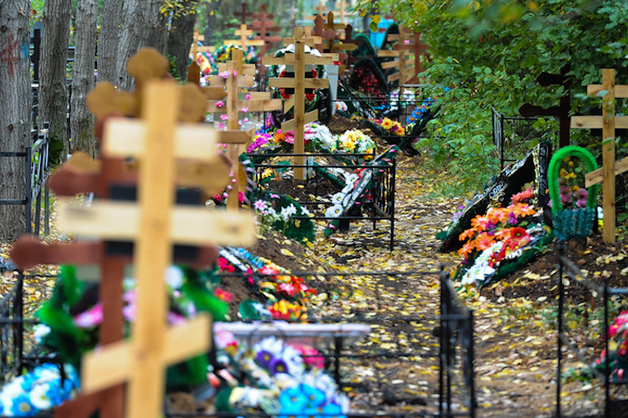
554, 168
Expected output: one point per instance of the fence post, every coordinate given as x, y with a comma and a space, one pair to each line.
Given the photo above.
441, 350
29, 191
561, 291
607, 370
471, 356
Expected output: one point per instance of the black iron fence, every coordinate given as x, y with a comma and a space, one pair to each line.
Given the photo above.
378, 183
36, 171
420, 347
515, 136
589, 300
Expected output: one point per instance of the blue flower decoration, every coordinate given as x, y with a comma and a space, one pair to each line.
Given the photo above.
21, 406
293, 401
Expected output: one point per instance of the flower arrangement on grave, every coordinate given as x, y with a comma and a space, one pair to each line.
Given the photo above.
502, 235
356, 141
573, 206
276, 378
39, 390
390, 127
74, 312
356, 191
207, 62
617, 350
286, 296
223, 54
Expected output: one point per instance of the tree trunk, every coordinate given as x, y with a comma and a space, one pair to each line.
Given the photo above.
53, 94
180, 38
108, 41
15, 97
210, 15
81, 120
143, 27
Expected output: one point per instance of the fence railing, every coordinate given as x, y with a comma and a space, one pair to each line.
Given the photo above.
580, 287
457, 372
36, 171
381, 189
515, 136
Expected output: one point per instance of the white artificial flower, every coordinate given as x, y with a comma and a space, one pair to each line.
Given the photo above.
334, 211
174, 277
270, 344
352, 178
41, 331
338, 197
39, 398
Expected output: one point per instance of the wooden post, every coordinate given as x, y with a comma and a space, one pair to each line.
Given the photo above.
244, 40
608, 122
263, 25
239, 75
403, 50
299, 60
154, 226
243, 15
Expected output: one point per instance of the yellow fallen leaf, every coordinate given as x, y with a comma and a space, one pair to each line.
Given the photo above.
287, 252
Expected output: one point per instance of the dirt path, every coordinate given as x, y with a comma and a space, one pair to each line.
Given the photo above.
515, 338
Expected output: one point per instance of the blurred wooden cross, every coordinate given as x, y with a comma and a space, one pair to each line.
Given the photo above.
608, 122
154, 226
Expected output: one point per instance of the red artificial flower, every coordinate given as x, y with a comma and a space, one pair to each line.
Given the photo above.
223, 295
310, 97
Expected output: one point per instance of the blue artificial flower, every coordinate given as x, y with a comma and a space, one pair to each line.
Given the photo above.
21, 406
333, 410
293, 401
315, 397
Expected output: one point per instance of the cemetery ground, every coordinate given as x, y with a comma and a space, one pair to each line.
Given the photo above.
515, 318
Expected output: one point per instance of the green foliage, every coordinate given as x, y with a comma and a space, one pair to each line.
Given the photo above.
490, 53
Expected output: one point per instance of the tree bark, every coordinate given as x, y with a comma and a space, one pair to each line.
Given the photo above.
83, 79
15, 99
180, 39
53, 94
210, 16
108, 41
142, 27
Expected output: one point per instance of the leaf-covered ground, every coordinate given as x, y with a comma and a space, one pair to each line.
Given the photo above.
514, 319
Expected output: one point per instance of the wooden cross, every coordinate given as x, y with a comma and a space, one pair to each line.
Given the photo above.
561, 111
82, 175
608, 122
239, 75
342, 12
154, 226
243, 15
244, 40
194, 70
403, 49
328, 32
299, 60
319, 9
263, 25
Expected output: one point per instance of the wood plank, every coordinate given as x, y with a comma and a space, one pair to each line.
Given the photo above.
106, 367
233, 137
259, 95
125, 137
595, 177
596, 122
289, 104
153, 248
621, 91
307, 118
189, 339
245, 69
387, 53
262, 105
307, 83
288, 59
190, 225
394, 77
608, 155
214, 93
309, 41
249, 42
206, 49
390, 64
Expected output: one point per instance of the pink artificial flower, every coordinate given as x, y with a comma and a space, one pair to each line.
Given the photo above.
220, 125
248, 96
220, 104
224, 117
90, 318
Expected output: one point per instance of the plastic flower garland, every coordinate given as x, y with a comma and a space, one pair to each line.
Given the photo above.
40, 390
390, 126
279, 379
500, 235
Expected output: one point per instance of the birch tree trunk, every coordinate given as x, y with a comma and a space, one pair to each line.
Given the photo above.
108, 41
142, 27
15, 101
53, 94
180, 39
83, 80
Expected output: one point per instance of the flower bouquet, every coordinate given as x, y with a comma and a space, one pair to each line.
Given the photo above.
46, 387
618, 350
356, 142
497, 238
573, 207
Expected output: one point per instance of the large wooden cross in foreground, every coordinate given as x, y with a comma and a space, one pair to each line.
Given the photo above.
608, 122
154, 226
299, 60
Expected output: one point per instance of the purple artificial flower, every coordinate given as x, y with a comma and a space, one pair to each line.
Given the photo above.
581, 203
278, 365
264, 358
512, 219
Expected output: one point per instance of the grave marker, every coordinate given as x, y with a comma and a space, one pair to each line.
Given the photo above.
263, 25
404, 48
152, 346
608, 122
244, 40
299, 60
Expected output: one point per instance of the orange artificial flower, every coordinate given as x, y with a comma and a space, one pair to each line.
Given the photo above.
469, 233
484, 241
480, 222
466, 249
522, 209
498, 214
